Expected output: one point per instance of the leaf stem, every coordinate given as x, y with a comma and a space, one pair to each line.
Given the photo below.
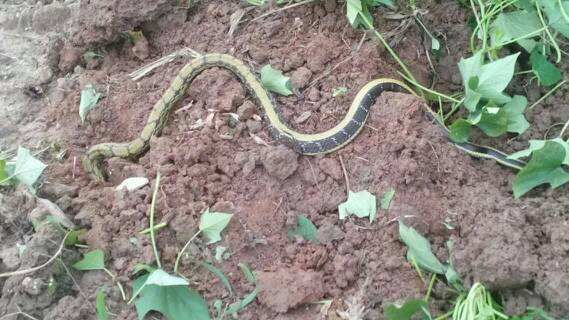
176, 264
547, 94
431, 283
563, 130
544, 24
152, 207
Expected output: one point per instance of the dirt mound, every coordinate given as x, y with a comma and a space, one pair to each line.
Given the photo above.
207, 159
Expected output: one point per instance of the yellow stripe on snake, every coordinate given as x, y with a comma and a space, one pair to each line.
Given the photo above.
309, 144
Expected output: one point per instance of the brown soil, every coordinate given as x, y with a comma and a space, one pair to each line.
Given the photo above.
520, 247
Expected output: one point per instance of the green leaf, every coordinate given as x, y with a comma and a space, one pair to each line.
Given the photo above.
28, 169
340, 91
212, 223
494, 121
247, 273
304, 228
3, 174
241, 304
100, 305
546, 72
544, 167
520, 24
89, 98
274, 80
94, 260
460, 130
219, 274
486, 80
419, 250
361, 204
514, 110
73, 237
555, 15
386, 199
538, 144
174, 301
407, 310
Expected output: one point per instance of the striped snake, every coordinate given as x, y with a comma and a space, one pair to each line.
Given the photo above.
309, 144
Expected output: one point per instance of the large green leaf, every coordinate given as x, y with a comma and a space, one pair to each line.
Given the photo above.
535, 145
419, 250
361, 204
555, 16
544, 167
513, 25
28, 169
94, 260
486, 80
168, 296
460, 130
212, 223
273, 80
514, 111
546, 72
494, 121
304, 228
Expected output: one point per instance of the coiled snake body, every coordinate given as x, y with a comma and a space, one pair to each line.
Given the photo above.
308, 144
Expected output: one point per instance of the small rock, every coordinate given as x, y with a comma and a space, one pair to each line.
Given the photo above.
223, 206
330, 5
331, 167
280, 162
32, 286
54, 190
328, 233
141, 48
10, 258
300, 77
313, 94
47, 208
254, 126
293, 62
246, 110
288, 288
68, 58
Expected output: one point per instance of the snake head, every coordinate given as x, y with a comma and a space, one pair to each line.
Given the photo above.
94, 167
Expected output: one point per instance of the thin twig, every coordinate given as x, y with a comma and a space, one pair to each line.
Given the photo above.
26, 271
547, 94
298, 4
345, 174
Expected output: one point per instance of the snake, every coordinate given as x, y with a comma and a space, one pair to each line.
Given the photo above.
307, 144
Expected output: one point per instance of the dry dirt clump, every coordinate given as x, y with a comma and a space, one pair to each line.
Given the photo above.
207, 159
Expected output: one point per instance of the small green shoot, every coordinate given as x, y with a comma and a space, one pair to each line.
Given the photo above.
477, 304
273, 80
419, 250
249, 275
89, 98
304, 228
212, 223
361, 204
100, 306
340, 91
386, 198
219, 274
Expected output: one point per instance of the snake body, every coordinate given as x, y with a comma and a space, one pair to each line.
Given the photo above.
308, 144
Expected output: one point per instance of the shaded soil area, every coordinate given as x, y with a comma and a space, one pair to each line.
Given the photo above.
208, 160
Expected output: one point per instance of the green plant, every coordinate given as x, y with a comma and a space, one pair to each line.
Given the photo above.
25, 169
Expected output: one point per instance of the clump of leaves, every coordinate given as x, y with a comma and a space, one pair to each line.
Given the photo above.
25, 168
490, 109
